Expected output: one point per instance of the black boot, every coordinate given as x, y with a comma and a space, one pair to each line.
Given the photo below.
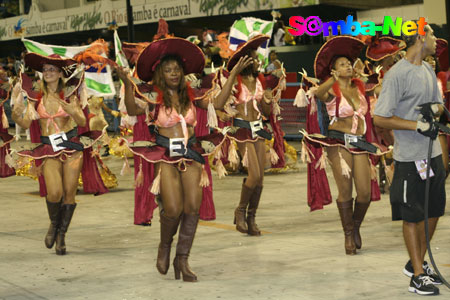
185, 239
251, 212
54, 212
66, 216
169, 227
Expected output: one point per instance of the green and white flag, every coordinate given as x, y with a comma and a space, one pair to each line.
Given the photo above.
98, 84
246, 28
121, 60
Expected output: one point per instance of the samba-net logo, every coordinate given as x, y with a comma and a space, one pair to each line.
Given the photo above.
313, 26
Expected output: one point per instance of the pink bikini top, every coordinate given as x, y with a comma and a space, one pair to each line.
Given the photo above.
43, 114
245, 96
170, 117
346, 110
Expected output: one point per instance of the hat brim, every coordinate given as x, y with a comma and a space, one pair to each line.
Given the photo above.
347, 46
192, 56
442, 54
385, 47
36, 62
251, 44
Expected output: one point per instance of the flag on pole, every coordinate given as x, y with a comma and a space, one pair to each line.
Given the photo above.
121, 60
98, 84
246, 28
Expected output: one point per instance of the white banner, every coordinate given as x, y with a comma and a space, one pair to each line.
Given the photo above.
99, 14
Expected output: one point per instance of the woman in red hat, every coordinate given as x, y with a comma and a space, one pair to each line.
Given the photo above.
247, 103
52, 110
439, 63
169, 143
5, 137
349, 135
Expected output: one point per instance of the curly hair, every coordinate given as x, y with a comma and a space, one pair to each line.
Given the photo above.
159, 81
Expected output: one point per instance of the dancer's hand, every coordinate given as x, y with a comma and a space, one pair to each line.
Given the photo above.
122, 73
335, 74
71, 107
242, 63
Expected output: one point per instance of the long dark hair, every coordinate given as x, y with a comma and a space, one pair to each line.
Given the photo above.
159, 81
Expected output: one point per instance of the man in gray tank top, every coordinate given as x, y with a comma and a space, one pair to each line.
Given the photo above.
411, 83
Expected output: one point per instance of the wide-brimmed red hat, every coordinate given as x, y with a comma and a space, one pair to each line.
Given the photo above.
383, 47
36, 62
347, 46
252, 44
191, 56
442, 54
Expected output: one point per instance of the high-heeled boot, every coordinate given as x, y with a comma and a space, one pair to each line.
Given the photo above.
346, 213
66, 216
169, 227
239, 213
251, 211
185, 239
54, 213
358, 216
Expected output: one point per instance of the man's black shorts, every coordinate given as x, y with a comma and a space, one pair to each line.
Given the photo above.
407, 192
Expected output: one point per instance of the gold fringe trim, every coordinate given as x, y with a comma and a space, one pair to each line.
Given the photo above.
125, 168
322, 162
273, 155
233, 157
204, 179
156, 185
139, 181
220, 169
245, 158
305, 155
300, 99
5, 122
212, 116
345, 169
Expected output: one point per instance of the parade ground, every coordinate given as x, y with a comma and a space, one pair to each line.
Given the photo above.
300, 254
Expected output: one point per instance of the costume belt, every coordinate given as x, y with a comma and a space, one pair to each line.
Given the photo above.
256, 127
176, 146
353, 140
59, 141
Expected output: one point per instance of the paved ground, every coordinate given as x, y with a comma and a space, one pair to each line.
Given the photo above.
300, 255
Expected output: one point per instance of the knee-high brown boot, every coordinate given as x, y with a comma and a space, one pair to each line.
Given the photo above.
358, 217
66, 216
251, 211
346, 213
54, 213
239, 213
169, 227
184, 245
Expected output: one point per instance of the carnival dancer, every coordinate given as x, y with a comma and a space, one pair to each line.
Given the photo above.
50, 115
247, 101
348, 138
410, 84
383, 53
439, 63
171, 145
6, 168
